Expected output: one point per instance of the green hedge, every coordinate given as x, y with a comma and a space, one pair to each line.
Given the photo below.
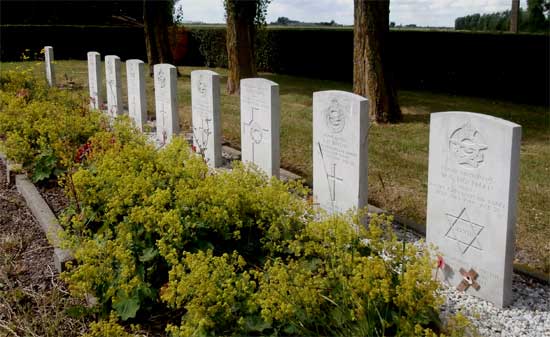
509, 66
72, 42
496, 65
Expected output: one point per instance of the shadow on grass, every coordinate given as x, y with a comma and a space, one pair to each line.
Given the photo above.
414, 119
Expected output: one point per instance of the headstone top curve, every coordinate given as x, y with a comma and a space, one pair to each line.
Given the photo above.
435, 115
258, 81
340, 93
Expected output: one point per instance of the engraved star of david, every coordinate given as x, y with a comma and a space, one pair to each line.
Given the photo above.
463, 231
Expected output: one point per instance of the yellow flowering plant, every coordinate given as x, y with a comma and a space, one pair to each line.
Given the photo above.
215, 252
43, 127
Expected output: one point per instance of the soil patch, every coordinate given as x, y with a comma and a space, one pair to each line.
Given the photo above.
54, 195
33, 301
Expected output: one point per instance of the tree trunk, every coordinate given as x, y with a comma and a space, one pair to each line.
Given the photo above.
372, 77
156, 18
241, 34
514, 16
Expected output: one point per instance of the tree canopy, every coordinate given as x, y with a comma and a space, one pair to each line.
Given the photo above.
533, 19
243, 19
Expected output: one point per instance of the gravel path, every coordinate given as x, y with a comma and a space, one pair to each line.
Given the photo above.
527, 316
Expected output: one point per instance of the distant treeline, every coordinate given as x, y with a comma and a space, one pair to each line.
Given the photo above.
284, 21
533, 19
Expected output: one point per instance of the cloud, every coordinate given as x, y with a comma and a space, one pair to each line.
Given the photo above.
419, 12
208, 11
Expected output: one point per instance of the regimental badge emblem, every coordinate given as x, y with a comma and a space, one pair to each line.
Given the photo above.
162, 78
201, 86
335, 117
467, 146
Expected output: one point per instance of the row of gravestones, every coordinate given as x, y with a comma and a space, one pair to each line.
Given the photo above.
165, 79
472, 176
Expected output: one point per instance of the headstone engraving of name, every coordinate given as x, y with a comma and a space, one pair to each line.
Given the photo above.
137, 100
166, 104
472, 192
340, 152
94, 79
114, 85
205, 106
260, 124
50, 71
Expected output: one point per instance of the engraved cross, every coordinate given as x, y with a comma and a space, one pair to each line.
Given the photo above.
205, 132
332, 182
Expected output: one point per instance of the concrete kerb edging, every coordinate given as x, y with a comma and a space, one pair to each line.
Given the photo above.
45, 217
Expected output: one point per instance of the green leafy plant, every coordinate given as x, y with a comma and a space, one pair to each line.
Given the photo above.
225, 252
43, 127
233, 252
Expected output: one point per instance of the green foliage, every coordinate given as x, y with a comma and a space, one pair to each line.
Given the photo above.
530, 20
243, 7
225, 252
43, 127
211, 46
233, 252
537, 21
109, 328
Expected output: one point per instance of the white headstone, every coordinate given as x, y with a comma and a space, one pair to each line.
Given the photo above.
94, 79
205, 107
340, 152
472, 192
50, 72
166, 102
114, 85
137, 100
260, 124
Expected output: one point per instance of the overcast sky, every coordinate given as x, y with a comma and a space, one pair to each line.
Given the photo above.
419, 12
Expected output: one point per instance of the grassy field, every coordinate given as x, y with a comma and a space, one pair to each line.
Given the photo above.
398, 154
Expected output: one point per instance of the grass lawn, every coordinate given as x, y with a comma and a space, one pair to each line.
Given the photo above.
398, 154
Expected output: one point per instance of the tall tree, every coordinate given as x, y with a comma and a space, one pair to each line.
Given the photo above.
535, 12
514, 16
243, 17
157, 16
371, 73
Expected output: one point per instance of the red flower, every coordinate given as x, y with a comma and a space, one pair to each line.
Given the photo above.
440, 262
193, 148
82, 152
23, 93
